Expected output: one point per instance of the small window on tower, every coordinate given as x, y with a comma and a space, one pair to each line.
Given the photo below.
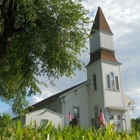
117, 82
108, 81
94, 82
112, 80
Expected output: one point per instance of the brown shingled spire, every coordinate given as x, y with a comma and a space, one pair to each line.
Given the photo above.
100, 23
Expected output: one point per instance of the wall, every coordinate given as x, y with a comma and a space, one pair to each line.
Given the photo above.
106, 40
41, 114
95, 42
127, 119
96, 96
112, 97
77, 98
101, 39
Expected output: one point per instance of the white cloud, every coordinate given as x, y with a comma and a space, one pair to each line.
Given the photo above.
39, 97
135, 93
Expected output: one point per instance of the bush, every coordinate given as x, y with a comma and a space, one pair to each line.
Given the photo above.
136, 124
5, 119
15, 131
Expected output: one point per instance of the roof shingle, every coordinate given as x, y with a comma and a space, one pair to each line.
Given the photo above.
100, 23
56, 96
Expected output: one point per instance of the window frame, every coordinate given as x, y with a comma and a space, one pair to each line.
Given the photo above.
117, 83
108, 81
42, 122
112, 81
94, 81
109, 85
76, 107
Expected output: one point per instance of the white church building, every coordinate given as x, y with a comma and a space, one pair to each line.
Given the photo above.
103, 88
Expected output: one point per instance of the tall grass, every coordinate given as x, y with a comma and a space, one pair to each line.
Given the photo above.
15, 131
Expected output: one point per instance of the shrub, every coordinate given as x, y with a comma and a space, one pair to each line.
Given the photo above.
15, 131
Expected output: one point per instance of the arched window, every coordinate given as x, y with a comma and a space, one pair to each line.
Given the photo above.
94, 82
112, 80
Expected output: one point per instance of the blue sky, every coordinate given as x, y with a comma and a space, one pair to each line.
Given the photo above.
124, 20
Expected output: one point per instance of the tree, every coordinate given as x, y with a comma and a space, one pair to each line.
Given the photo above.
135, 123
5, 119
38, 37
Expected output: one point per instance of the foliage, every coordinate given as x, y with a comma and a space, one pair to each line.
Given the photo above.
5, 119
38, 38
136, 124
16, 132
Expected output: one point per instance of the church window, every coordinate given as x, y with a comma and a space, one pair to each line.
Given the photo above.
76, 112
108, 81
111, 117
119, 117
112, 80
117, 82
94, 82
44, 122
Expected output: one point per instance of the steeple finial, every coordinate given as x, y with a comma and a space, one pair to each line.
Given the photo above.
100, 23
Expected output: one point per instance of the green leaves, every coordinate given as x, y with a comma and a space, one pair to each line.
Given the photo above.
14, 131
45, 38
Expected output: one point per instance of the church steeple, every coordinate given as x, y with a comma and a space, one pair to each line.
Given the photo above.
101, 43
100, 23
103, 72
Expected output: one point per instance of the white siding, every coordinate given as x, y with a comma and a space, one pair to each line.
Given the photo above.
95, 42
77, 98
127, 120
101, 39
112, 98
96, 96
44, 114
106, 40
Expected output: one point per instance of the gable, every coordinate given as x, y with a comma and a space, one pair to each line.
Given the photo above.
43, 111
55, 97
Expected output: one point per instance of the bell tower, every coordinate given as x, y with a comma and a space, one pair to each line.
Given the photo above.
101, 43
103, 72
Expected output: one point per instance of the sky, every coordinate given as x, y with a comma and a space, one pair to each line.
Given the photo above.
123, 18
